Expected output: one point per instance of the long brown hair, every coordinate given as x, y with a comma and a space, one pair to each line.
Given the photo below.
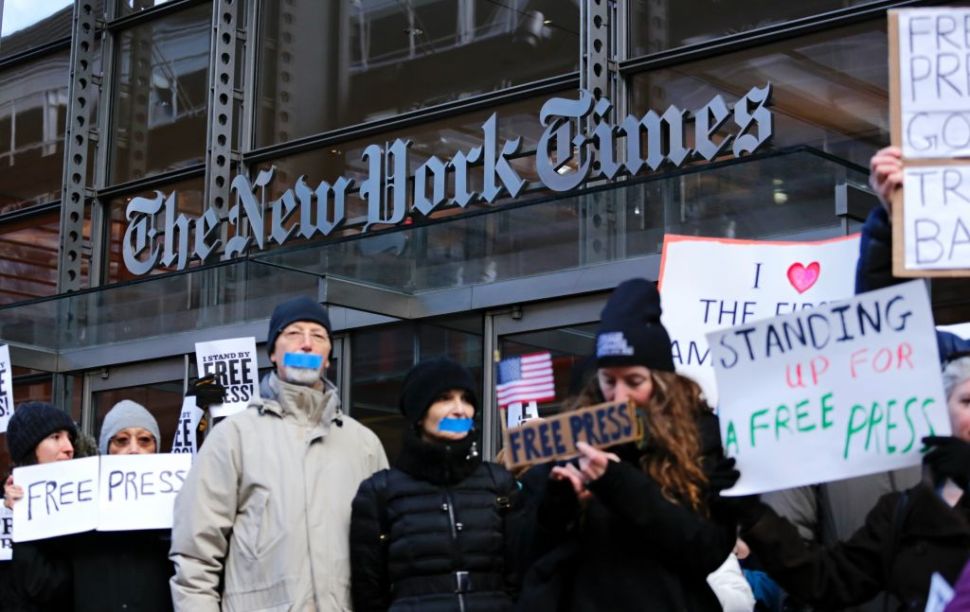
672, 451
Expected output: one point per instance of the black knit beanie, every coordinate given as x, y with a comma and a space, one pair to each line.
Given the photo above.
630, 331
428, 380
32, 422
298, 309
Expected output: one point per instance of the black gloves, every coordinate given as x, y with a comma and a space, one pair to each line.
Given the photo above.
949, 458
722, 476
207, 391
746, 509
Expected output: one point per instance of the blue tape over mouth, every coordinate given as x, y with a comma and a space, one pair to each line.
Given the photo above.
302, 360
456, 425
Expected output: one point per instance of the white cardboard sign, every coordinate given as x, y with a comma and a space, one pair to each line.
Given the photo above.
138, 491
6, 533
188, 424
934, 60
233, 361
109, 493
712, 283
846, 389
6, 388
936, 217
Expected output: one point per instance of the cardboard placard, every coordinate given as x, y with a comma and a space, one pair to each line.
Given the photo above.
108, 493
708, 284
554, 438
6, 388
844, 390
930, 122
233, 361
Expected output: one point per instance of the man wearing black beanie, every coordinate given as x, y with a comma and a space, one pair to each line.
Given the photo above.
267, 502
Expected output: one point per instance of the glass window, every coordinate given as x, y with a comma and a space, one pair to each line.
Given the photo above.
657, 25
829, 90
27, 25
33, 107
158, 119
325, 65
38, 387
127, 7
381, 357
162, 400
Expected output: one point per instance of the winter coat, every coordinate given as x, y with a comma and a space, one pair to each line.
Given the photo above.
265, 510
435, 533
39, 577
122, 570
630, 549
906, 537
874, 270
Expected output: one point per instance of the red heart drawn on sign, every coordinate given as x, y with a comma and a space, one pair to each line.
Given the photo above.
803, 277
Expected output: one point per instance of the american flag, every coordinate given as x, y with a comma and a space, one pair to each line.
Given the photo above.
525, 378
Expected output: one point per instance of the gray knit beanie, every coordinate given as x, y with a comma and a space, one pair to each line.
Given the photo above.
123, 415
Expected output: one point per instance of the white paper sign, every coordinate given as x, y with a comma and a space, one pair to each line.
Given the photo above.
934, 60
6, 533
936, 214
233, 361
712, 283
59, 498
846, 389
940, 594
6, 388
107, 493
188, 424
138, 491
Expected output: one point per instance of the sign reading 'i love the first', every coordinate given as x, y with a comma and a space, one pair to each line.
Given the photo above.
707, 284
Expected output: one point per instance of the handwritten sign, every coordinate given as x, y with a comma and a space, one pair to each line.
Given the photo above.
6, 388
712, 283
554, 438
109, 493
6, 533
929, 58
233, 362
846, 389
936, 217
138, 491
188, 425
59, 498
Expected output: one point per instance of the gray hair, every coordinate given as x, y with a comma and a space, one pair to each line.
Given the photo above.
954, 374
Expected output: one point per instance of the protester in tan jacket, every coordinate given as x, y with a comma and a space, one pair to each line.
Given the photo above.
262, 521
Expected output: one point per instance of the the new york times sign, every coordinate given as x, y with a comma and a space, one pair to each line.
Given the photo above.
157, 234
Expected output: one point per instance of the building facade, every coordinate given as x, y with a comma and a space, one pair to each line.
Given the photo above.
460, 177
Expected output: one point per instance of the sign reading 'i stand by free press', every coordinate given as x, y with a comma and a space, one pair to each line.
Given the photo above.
846, 389
929, 59
233, 362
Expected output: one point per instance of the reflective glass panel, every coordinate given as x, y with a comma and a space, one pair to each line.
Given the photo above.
657, 25
126, 7
33, 107
27, 24
829, 90
162, 400
325, 65
158, 119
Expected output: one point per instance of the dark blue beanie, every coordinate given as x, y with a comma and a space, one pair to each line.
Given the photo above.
298, 309
32, 422
630, 331
428, 380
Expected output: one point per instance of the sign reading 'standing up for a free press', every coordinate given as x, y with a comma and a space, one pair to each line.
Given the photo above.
846, 389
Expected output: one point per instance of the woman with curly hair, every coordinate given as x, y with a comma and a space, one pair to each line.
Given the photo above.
632, 525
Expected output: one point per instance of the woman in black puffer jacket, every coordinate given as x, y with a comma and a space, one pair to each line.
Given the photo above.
435, 533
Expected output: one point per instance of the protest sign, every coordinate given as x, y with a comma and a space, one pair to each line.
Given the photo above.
188, 425
59, 498
712, 283
930, 121
138, 491
6, 388
233, 361
108, 493
846, 389
554, 438
6, 533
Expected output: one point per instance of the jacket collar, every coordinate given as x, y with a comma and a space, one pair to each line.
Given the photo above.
442, 464
929, 516
306, 405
